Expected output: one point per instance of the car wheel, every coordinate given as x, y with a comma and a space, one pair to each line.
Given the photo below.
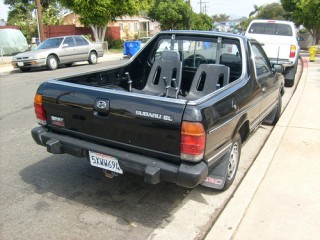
289, 82
290, 75
52, 62
275, 114
93, 59
233, 161
24, 69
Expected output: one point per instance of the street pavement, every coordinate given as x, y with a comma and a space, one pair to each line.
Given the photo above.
280, 196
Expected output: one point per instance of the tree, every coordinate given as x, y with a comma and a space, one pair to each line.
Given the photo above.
44, 3
51, 15
97, 14
201, 22
220, 17
172, 14
21, 14
256, 9
271, 11
306, 13
267, 11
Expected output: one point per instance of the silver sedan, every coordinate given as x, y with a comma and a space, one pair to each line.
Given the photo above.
59, 50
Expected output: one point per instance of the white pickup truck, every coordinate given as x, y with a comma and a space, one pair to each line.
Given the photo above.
279, 41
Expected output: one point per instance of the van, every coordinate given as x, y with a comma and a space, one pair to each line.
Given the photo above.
279, 41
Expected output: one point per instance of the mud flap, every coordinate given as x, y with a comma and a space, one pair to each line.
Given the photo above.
218, 174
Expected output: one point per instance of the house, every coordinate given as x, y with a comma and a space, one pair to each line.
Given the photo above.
226, 26
136, 26
130, 27
72, 19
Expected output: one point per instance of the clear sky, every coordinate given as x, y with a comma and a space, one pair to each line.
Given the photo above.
233, 8
3, 11
238, 8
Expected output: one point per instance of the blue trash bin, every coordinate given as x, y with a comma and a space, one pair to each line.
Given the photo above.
131, 47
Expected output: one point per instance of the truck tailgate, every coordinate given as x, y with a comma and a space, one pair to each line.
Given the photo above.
134, 122
279, 49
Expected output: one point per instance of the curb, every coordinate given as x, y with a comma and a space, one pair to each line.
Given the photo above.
230, 218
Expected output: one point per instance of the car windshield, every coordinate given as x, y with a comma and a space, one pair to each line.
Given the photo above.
50, 43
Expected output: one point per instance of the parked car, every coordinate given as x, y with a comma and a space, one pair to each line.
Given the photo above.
178, 115
59, 50
279, 41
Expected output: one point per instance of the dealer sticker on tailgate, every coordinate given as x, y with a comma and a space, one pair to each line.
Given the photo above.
105, 162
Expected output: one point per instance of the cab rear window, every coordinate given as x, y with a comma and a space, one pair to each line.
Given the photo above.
271, 29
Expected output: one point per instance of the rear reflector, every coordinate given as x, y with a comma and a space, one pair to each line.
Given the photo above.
293, 50
38, 108
193, 141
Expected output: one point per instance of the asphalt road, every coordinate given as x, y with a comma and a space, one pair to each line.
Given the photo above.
45, 196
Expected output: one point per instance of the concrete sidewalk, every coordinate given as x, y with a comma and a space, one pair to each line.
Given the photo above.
6, 67
280, 196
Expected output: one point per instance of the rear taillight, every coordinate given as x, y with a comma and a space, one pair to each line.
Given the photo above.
293, 50
39, 110
193, 141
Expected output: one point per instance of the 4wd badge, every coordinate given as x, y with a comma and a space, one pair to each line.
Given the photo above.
57, 121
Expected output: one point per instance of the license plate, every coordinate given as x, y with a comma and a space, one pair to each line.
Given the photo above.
20, 64
105, 162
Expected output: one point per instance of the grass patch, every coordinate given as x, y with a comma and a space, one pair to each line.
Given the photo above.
116, 50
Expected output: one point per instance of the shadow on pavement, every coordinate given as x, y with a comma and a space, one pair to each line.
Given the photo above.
126, 197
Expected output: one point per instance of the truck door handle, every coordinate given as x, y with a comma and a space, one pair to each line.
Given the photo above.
100, 114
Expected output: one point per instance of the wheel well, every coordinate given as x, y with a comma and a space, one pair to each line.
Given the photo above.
94, 51
244, 131
56, 56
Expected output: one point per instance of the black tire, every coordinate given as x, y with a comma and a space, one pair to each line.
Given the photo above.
25, 69
275, 114
52, 62
233, 161
93, 58
290, 75
289, 82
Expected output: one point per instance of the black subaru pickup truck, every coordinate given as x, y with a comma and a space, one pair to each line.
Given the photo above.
178, 111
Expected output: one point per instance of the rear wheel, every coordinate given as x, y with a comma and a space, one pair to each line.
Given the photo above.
93, 59
290, 75
275, 114
52, 62
233, 161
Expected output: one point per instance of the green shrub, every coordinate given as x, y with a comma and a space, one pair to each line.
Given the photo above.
115, 44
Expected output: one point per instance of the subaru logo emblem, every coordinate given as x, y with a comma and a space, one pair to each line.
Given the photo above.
101, 104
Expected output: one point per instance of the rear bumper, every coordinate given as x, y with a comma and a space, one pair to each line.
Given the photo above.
153, 170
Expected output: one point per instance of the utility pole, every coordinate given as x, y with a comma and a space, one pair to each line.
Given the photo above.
40, 26
205, 6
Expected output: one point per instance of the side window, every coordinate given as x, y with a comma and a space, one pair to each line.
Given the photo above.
69, 41
80, 41
262, 65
